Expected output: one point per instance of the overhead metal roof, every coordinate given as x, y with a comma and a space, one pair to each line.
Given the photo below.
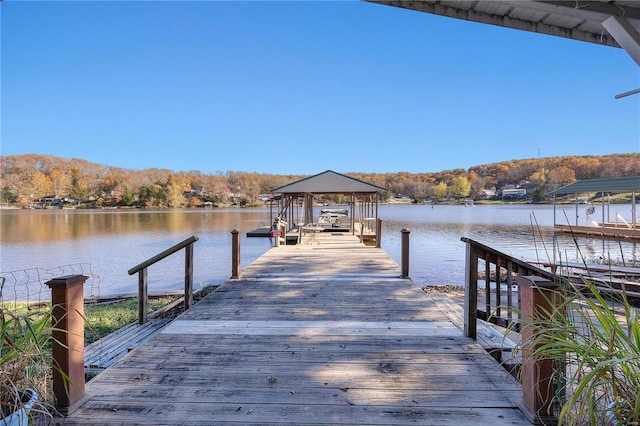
611, 185
328, 182
613, 23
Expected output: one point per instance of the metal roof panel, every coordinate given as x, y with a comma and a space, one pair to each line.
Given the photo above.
328, 182
612, 185
576, 19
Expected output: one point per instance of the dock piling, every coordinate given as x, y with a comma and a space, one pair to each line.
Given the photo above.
235, 254
405, 253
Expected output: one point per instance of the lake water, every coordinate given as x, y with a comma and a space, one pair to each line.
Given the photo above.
107, 243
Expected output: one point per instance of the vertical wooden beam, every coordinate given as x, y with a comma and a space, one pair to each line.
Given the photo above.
539, 297
471, 291
379, 233
405, 253
143, 293
188, 276
235, 254
509, 291
498, 287
487, 284
67, 340
352, 218
633, 210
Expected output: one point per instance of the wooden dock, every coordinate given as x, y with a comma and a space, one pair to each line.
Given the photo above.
325, 333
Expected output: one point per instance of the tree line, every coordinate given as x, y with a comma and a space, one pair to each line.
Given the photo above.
28, 179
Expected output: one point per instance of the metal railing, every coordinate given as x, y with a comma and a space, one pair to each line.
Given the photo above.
141, 269
497, 270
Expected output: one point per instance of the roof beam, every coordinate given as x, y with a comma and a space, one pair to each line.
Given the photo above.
625, 34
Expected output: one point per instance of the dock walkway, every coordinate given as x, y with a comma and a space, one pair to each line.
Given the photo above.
310, 334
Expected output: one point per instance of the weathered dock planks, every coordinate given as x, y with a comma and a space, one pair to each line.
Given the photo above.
313, 334
106, 351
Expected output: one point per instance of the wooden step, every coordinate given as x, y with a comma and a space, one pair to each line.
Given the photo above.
105, 352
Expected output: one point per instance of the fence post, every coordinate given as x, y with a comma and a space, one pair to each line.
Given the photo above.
188, 277
143, 296
67, 340
471, 291
405, 253
539, 296
235, 254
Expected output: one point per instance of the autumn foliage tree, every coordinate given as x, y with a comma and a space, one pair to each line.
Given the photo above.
27, 178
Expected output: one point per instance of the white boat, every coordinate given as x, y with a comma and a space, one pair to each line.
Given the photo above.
332, 217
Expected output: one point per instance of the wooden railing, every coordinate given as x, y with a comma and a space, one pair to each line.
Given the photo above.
141, 269
501, 270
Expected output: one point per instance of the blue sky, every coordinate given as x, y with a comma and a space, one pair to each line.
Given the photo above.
300, 87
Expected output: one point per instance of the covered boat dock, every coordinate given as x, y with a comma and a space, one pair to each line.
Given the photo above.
604, 224
297, 201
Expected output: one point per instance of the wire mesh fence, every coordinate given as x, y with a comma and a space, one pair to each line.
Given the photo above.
28, 286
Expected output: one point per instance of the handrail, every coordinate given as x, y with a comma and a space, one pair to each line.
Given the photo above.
476, 251
163, 254
141, 269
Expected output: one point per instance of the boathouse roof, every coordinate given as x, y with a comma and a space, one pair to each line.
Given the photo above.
619, 185
328, 182
614, 23
576, 20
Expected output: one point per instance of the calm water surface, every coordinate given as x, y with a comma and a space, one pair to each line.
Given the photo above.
109, 242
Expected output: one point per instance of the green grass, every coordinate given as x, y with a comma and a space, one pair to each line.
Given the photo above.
102, 320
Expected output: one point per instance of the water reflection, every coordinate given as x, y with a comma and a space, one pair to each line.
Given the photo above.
523, 231
56, 225
112, 241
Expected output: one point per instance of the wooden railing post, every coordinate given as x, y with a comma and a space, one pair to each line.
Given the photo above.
143, 295
405, 253
379, 233
141, 269
471, 291
235, 254
539, 296
188, 276
67, 340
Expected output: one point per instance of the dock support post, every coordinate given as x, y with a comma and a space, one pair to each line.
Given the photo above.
471, 291
539, 297
235, 254
188, 277
379, 233
405, 253
67, 341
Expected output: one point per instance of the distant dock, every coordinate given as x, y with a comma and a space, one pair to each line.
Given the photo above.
264, 231
318, 333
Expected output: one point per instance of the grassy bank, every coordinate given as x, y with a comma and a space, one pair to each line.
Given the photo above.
105, 318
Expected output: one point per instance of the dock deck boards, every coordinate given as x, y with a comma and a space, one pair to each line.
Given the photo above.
310, 334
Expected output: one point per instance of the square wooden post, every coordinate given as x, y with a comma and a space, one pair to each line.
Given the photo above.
471, 291
235, 254
405, 253
539, 297
67, 341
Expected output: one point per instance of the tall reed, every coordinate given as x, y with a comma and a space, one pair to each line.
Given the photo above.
597, 353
